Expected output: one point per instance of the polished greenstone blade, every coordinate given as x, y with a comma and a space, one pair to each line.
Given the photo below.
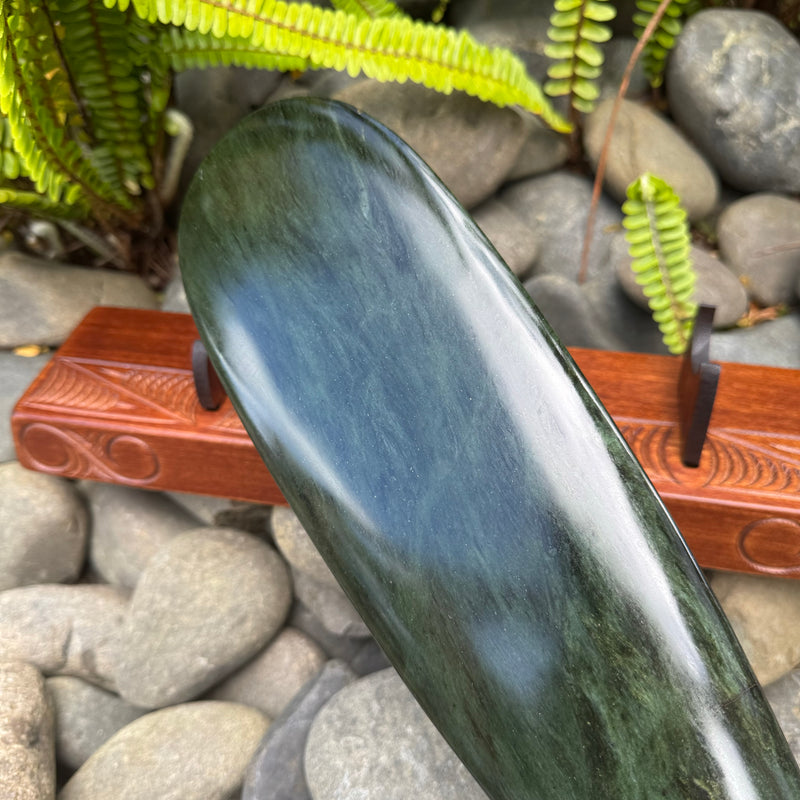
463, 483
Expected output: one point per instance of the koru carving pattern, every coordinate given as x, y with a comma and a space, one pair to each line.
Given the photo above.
97, 455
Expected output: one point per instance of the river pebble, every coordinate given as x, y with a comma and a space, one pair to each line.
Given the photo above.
208, 601
43, 528
27, 765
192, 751
732, 86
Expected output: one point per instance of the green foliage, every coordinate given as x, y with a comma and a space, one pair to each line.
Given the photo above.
657, 48
658, 239
577, 27
387, 48
84, 84
72, 74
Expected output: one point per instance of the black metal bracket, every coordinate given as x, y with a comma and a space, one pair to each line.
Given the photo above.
207, 384
697, 388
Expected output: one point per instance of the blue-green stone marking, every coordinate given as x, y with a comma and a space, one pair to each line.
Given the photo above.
459, 476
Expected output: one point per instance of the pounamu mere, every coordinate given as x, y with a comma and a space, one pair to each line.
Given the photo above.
455, 470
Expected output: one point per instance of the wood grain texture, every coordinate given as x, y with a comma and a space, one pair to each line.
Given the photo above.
459, 476
117, 404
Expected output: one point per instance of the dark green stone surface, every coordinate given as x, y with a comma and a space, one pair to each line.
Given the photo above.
463, 483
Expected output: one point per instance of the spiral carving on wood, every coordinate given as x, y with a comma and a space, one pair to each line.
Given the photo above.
772, 545
96, 455
731, 460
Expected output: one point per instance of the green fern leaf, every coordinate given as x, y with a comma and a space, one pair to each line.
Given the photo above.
108, 53
657, 48
659, 244
41, 205
384, 48
45, 115
368, 8
576, 28
192, 50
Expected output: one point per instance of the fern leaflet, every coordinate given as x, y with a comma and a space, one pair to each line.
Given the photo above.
384, 48
658, 239
368, 8
576, 28
657, 48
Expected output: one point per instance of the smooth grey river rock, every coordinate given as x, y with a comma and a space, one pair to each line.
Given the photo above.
86, 716
128, 527
371, 740
774, 343
27, 754
276, 771
43, 528
555, 208
759, 239
206, 602
330, 606
732, 87
16, 374
644, 141
63, 630
764, 613
511, 237
42, 301
272, 678
489, 138
784, 697
193, 751
297, 548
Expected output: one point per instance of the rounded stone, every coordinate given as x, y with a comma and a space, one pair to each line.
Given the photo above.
784, 698
63, 630
510, 236
270, 680
733, 89
469, 144
43, 528
86, 717
276, 770
775, 343
763, 612
371, 740
716, 285
27, 763
206, 602
17, 374
555, 208
128, 527
41, 302
759, 239
193, 751
330, 606
296, 547
644, 141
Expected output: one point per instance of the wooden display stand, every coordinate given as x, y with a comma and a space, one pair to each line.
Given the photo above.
118, 403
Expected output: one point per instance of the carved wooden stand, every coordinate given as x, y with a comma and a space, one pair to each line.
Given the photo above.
118, 403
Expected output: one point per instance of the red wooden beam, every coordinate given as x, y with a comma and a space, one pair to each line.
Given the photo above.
117, 403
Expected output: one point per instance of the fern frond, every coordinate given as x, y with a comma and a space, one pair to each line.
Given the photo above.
658, 239
385, 48
40, 102
657, 48
368, 8
10, 166
40, 205
576, 28
107, 52
191, 50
